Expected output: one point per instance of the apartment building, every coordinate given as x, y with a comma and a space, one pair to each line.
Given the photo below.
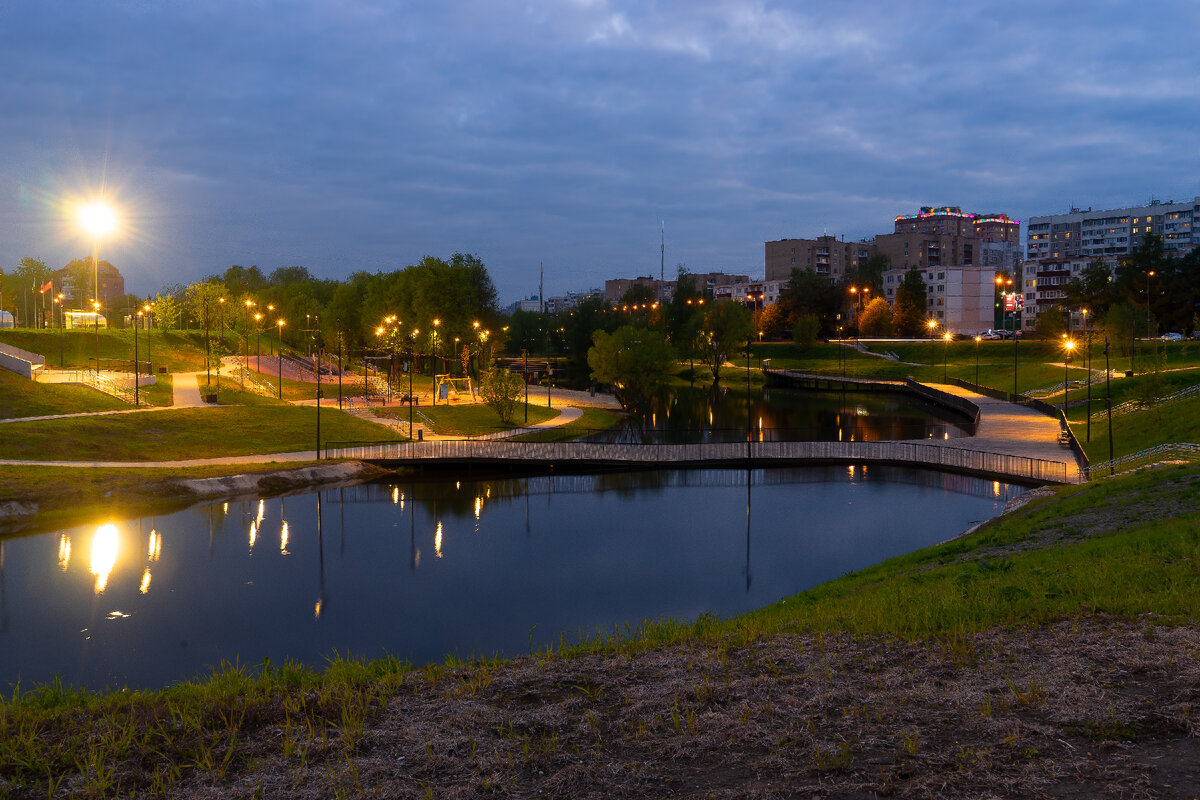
1113, 232
960, 298
1060, 246
756, 294
825, 255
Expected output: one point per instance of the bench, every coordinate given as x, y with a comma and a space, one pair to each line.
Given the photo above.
1064, 438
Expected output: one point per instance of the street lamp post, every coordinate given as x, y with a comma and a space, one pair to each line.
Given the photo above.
947, 336
412, 354
1108, 386
1068, 348
97, 219
977, 340
1088, 329
61, 314
149, 329
137, 398
280, 323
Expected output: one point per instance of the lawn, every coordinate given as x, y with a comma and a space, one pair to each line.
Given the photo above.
21, 397
592, 421
1165, 424
186, 433
470, 420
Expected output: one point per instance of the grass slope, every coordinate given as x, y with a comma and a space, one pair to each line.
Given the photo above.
20, 397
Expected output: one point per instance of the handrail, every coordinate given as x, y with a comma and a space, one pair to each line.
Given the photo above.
1130, 406
1175, 451
710, 453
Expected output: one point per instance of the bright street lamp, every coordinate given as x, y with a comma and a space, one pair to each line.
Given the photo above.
98, 220
1068, 348
280, 323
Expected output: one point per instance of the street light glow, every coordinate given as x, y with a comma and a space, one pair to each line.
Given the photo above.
98, 219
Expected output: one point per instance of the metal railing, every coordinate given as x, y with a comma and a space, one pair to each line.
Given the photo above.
707, 454
1176, 452
1130, 406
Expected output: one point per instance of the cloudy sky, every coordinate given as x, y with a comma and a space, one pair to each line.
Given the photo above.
351, 135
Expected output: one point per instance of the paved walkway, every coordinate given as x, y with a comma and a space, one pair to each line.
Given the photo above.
186, 390
1011, 429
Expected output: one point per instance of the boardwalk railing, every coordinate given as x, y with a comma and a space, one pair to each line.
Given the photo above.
1177, 452
704, 454
1129, 406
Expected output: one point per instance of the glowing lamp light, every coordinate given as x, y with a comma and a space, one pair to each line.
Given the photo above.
97, 219
105, 543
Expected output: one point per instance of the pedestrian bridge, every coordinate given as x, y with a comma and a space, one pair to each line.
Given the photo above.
591, 455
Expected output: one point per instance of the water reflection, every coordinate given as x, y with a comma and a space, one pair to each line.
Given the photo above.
105, 542
727, 413
553, 553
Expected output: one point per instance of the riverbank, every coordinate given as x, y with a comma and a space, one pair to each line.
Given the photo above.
1053, 652
42, 498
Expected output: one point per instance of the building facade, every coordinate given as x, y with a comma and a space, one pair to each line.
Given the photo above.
110, 283
825, 255
960, 298
1113, 232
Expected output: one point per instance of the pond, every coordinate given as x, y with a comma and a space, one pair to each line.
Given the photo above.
722, 412
424, 569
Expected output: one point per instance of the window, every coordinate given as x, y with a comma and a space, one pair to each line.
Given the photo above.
941, 276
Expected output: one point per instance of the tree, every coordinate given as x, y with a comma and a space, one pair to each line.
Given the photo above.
635, 362
31, 275
908, 312
805, 330
726, 328
869, 273
810, 293
1050, 324
771, 321
500, 390
876, 319
167, 310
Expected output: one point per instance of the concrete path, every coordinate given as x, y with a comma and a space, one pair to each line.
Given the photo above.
186, 387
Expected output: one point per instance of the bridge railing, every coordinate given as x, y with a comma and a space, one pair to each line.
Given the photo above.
709, 453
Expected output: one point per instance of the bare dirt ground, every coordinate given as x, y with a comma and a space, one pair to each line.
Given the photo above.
1096, 707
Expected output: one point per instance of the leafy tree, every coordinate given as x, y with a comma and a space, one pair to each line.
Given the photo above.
1050, 324
639, 293
726, 328
635, 362
500, 391
167, 310
876, 319
772, 321
805, 330
810, 293
869, 273
908, 312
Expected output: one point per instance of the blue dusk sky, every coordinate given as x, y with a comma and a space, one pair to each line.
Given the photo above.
346, 136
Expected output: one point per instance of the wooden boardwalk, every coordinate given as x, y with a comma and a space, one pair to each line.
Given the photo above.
1012, 443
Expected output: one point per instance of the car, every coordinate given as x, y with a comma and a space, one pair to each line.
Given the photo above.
1172, 337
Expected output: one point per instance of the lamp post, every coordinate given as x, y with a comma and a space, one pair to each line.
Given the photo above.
947, 336
149, 329
1068, 348
61, 314
339, 327
97, 219
412, 354
1108, 386
1087, 328
932, 326
978, 339
280, 323
137, 399
257, 343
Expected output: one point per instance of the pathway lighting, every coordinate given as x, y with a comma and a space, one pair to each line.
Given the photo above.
978, 339
947, 336
1068, 348
280, 324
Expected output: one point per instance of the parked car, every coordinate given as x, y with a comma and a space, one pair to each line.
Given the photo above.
1172, 337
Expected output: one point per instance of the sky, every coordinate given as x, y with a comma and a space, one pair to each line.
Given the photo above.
361, 136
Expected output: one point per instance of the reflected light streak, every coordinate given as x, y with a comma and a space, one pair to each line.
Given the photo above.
154, 550
64, 552
253, 533
478, 506
457, 485
105, 542
851, 468
145, 587
995, 488
261, 512
283, 539
225, 508
317, 610
395, 495
437, 541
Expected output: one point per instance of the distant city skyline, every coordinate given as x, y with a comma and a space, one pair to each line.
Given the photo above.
362, 136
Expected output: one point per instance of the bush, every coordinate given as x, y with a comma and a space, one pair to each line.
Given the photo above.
500, 390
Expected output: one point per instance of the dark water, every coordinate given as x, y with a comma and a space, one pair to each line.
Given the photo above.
723, 412
427, 569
